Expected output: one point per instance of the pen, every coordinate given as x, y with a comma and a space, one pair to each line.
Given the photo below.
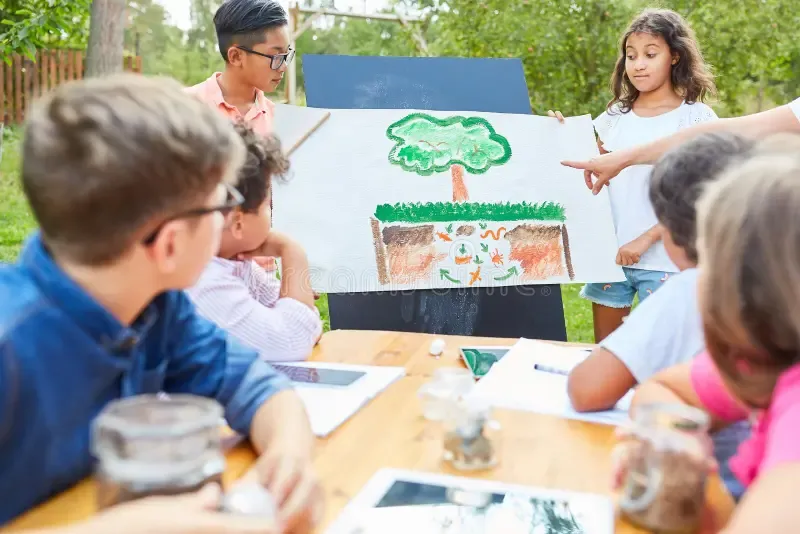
547, 369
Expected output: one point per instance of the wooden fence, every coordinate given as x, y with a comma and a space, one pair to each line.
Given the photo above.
23, 81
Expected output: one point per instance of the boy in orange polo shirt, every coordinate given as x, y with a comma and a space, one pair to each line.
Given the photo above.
254, 41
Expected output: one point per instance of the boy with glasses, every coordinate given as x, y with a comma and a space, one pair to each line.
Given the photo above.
254, 41
129, 181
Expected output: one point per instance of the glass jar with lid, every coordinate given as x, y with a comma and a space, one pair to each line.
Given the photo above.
472, 438
667, 469
156, 445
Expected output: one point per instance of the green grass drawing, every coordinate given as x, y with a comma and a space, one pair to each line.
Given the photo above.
418, 212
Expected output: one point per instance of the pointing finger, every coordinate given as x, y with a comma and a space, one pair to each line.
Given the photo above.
582, 165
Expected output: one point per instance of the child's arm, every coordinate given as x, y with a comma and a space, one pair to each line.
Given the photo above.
696, 384
599, 382
672, 385
295, 279
658, 334
259, 402
769, 504
183, 514
757, 125
630, 253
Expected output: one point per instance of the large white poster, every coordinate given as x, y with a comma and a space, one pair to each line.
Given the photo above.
401, 199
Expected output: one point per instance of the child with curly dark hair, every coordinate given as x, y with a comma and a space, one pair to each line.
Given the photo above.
278, 318
659, 84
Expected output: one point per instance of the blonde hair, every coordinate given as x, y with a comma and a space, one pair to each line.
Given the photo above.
784, 142
749, 248
105, 160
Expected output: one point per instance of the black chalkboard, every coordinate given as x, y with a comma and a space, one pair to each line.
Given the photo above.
436, 84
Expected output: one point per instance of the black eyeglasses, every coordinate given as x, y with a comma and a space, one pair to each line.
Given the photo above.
232, 200
277, 59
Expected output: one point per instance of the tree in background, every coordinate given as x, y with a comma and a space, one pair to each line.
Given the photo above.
750, 44
106, 37
568, 49
201, 39
26, 25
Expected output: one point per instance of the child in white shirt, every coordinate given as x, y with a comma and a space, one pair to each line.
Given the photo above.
278, 318
659, 83
666, 329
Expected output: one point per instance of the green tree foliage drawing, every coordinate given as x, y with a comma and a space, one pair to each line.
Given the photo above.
426, 145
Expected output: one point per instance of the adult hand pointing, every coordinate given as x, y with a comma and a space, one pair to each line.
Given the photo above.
602, 168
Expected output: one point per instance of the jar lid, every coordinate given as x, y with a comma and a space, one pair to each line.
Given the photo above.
158, 416
671, 416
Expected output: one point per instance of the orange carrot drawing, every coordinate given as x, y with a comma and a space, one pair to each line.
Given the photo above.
475, 276
443, 236
495, 235
497, 258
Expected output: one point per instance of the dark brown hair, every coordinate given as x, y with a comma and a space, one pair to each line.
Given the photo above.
264, 161
691, 76
106, 160
679, 177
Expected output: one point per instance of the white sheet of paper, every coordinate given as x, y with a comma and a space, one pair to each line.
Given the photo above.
517, 513
343, 173
515, 383
560, 357
329, 407
294, 122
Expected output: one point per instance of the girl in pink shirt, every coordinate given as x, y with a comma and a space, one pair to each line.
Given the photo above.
749, 292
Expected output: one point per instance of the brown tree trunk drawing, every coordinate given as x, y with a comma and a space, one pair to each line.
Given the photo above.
459, 187
106, 33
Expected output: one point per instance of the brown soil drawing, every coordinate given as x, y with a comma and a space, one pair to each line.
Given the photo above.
539, 249
405, 254
408, 254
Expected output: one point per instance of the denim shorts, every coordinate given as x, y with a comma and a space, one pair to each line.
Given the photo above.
621, 294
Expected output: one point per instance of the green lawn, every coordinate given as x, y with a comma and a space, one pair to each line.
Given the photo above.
16, 223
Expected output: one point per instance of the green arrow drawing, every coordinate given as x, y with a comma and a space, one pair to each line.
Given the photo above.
444, 273
484, 247
478, 260
511, 272
449, 228
483, 226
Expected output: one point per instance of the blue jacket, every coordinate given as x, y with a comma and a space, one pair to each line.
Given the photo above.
63, 358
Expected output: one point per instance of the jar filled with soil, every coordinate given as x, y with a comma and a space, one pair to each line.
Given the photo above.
156, 445
664, 490
471, 437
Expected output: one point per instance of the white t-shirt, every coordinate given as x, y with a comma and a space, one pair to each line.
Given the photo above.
629, 191
795, 106
664, 330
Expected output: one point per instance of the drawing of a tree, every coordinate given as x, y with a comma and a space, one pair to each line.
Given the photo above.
426, 145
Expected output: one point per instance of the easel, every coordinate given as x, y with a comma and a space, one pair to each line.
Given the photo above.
436, 84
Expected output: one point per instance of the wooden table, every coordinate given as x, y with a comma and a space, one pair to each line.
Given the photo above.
537, 450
